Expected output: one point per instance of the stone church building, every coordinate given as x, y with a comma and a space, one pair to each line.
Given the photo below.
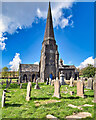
49, 61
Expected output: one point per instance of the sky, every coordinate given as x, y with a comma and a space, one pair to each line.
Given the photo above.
23, 26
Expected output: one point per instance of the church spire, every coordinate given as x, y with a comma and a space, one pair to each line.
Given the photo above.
49, 32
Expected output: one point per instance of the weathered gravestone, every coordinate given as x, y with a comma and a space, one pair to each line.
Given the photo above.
36, 86
71, 82
47, 82
80, 88
57, 89
95, 88
90, 84
3, 98
28, 91
20, 85
95, 91
62, 78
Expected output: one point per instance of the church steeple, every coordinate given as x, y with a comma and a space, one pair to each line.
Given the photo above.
49, 32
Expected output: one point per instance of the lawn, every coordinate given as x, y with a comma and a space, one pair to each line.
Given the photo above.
18, 107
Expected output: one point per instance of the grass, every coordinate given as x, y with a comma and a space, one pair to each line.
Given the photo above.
18, 107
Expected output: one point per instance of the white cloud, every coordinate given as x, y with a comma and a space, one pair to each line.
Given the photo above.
15, 62
21, 15
89, 60
37, 63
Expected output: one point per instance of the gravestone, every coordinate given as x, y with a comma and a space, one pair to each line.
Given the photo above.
95, 88
28, 91
77, 78
47, 82
57, 89
71, 92
3, 98
62, 78
52, 82
80, 88
90, 84
36, 86
20, 85
71, 82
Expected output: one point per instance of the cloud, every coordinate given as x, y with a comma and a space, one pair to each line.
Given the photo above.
15, 62
85, 63
21, 15
37, 63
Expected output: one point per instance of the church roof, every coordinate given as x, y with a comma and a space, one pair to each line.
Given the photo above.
49, 32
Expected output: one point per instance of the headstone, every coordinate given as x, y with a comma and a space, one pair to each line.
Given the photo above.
77, 78
47, 82
71, 82
28, 91
71, 92
20, 85
52, 82
80, 88
62, 78
3, 98
95, 88
57, 89
90, 84
36, 86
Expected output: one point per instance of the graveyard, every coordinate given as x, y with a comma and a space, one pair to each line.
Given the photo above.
42, 102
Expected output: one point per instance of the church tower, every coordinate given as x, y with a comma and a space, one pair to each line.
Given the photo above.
49, 61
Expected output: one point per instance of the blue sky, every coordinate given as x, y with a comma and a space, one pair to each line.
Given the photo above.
75, 40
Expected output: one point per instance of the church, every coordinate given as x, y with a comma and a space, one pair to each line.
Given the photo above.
49, 66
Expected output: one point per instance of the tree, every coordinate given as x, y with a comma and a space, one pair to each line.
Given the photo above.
5, 72
88, 71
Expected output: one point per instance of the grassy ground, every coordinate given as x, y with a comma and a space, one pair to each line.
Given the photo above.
18, 107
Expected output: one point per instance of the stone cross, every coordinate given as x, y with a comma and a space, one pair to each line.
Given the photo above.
57, 89
3, 98
36, 86
62, 78
80, 88
71, 82
90, 84
28, 91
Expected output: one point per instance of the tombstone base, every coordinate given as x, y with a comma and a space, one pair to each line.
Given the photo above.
81, 96
27, 98
36, 87
57, 96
